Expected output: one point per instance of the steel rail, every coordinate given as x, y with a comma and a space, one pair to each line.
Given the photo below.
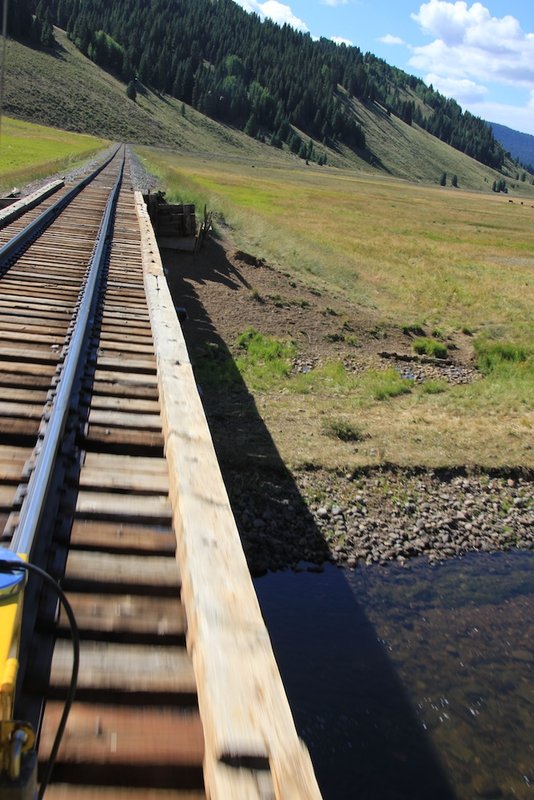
28, 234
34, 502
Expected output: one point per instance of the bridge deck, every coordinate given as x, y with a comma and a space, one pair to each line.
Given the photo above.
178, 695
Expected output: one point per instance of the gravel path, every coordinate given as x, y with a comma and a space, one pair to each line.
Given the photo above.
141, 179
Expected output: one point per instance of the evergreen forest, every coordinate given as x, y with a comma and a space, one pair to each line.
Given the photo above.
274, 83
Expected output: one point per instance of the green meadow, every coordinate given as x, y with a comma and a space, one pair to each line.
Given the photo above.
29, 152
456, 262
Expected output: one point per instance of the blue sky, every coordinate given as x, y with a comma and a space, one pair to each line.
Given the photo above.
480, 53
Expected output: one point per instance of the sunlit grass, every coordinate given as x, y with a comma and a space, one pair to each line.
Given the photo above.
452, 259
29, 152
455, 262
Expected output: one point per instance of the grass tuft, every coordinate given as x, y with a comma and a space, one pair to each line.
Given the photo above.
343, 430
388, 383
433, 386
430, 347
266, 360
492, 357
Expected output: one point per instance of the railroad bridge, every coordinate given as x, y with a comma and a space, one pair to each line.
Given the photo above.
134, 660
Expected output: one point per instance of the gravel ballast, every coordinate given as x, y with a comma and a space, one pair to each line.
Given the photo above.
389, 515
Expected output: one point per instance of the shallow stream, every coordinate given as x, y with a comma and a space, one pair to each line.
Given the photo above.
412, 683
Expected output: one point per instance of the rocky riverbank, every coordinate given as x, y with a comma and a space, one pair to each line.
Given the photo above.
382, 516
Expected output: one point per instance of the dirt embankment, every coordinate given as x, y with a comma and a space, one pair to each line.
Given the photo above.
315, 514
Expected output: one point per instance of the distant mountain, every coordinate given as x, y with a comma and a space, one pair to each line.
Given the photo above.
519, 145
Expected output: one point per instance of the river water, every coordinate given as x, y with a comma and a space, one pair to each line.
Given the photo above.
412, 683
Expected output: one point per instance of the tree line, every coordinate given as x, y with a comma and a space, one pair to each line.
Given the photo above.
255, 75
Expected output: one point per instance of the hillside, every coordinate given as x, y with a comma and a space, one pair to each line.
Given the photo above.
261, 78
520, 145
63, 88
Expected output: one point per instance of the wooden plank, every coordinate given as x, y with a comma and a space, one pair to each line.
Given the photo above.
97, 435
35, 375
10, 455
124, 378
12, 427
126, 362
102, 734
35, 354
122, 614
67, 791
109, 346
114, 571
21, 410
134, 482
24, 395
111, 537
124, 507
20, 207
107, 666
7, 495
129, 464
243, 706
124, 390
123, 419
18, 334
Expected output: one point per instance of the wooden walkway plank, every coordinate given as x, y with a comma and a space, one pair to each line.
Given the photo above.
116, 570
135, 668
114, 734
242, 702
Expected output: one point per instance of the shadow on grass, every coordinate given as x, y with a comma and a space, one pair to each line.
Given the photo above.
330, 674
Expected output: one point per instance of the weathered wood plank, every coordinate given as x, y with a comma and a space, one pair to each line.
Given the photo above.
67, 791
242, 701
124, 437
7, 495
133, 668
102, 734
130, 464
19, 207
117, 537
125, 614
21, 410
135, 482
114, 571
124, 419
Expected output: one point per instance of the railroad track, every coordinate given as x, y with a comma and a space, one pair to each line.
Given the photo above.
82, 430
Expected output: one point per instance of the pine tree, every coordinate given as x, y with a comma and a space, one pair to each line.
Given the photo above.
131, 91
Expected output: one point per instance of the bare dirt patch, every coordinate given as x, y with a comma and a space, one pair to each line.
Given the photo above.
308, 512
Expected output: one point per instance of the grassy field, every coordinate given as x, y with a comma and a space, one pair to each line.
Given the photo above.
29, 152
458, 263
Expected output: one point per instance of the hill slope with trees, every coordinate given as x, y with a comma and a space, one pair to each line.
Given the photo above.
519, 145
259, 77
60, 86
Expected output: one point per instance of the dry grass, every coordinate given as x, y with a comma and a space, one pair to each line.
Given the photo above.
453, 260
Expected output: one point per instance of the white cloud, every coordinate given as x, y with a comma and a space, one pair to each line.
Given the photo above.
520, 118
471, 44
334, 2
341, 40
389, 39
462, 89
278, 12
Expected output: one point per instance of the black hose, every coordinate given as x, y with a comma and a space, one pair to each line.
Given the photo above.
9, 566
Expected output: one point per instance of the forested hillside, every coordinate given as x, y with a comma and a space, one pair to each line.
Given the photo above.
519, 145
256, 76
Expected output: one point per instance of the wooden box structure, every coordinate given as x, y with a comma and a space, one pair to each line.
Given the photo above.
170, 219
